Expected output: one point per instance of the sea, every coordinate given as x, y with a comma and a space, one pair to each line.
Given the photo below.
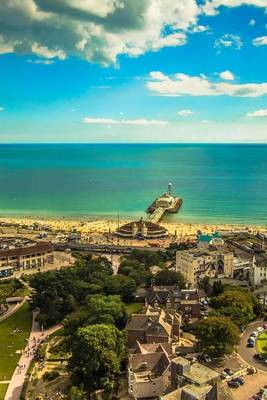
219, 183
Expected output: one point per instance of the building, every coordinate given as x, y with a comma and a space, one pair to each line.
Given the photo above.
184, 372
241, 269
149, 374
142, 229
153, 326
195, 264
186, 302
258, 270
218, 391
24, 255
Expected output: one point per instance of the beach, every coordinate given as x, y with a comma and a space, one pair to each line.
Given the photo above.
103, 230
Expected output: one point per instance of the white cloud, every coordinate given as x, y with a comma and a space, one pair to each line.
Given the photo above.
260, 41
1, 108
96, 30
185, 85
228, 40
258, 113
185, 113
211, 6
200, 28
40, 61
110, 121
227, 75
252, 22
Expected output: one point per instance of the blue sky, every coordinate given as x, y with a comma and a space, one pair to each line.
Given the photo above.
105, 71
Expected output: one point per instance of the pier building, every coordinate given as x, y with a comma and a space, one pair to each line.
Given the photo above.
142, 229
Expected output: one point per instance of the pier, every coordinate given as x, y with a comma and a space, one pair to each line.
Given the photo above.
156, 215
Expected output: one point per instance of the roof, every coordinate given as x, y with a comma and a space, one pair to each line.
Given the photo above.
38, 247
200, 374
154, 348
151, 226
14, 299
156, 363
6, 268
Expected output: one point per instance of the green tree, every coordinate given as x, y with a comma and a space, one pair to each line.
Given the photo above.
107, 310
217, 288
236, 304
217, 336
96, 355
167, 277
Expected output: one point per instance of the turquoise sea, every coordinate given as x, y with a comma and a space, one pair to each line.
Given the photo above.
218, 183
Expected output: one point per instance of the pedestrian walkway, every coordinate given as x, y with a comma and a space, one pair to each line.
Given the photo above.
20, 373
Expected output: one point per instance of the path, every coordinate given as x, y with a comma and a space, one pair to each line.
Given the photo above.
18, 377
247, 353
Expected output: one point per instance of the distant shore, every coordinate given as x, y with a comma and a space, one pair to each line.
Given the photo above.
100, 225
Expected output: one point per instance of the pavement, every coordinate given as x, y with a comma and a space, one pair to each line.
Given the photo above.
246, 353
19, 375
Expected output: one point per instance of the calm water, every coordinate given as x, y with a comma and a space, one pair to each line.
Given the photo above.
217, 182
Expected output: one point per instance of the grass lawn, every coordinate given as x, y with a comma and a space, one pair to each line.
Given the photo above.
22, 319
3, 389
262, 343
134, 308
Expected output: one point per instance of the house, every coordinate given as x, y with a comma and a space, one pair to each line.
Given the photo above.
185, 372
149, 374
186, 302
153, 326
218, 391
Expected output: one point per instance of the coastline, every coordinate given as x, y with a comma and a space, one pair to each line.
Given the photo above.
102, 225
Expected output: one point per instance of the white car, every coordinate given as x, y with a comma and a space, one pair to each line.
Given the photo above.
255, 333
260, 329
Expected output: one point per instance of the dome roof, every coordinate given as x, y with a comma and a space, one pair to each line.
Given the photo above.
152, 229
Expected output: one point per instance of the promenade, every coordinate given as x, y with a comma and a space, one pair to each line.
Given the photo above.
19, 375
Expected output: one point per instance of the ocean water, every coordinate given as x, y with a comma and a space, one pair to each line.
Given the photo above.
218, 183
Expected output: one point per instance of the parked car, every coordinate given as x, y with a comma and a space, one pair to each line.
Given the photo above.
224, 375
228, 371
260, 329
239, 380
233, 384
251, 339
258, 357
264, 326
254, 333
251, 371
251, 345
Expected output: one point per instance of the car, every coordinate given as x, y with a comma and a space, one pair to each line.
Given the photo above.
239, 380
260, 329
251, 345
228, 371
251, 339
258, 356
255, 333
224, 375
233, 384
251, 371
264, 326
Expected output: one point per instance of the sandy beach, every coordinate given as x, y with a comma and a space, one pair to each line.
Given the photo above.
108, 226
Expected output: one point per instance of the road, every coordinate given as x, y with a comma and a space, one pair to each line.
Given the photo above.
103, 248
247, 353
19, 375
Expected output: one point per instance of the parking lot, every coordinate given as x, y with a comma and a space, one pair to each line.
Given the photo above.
253, 383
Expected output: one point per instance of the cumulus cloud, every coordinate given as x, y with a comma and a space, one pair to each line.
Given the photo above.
228, 40
227, 75
40, 61
1, 108
109, 121
96, 30
200, 28
260, 41
211, 6
258, 113
181, 85
185, 113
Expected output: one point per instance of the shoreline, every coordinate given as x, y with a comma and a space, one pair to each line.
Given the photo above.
101, 225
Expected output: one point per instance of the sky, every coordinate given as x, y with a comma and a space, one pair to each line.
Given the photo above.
133, 71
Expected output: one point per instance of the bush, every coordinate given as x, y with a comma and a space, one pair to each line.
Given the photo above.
51, 375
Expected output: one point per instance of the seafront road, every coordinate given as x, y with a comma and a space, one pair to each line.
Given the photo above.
246, 353
19, 375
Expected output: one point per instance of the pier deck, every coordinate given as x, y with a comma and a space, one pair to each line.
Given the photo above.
157, 215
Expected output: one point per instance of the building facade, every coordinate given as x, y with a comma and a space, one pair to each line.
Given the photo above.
195, 264
33, 255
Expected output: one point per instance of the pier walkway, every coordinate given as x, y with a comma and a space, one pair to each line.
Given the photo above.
156, 215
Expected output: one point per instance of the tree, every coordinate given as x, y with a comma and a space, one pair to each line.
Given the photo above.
107, 310
167, 277
217, 288
96, 355
217, 336
122, 285
236, 304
